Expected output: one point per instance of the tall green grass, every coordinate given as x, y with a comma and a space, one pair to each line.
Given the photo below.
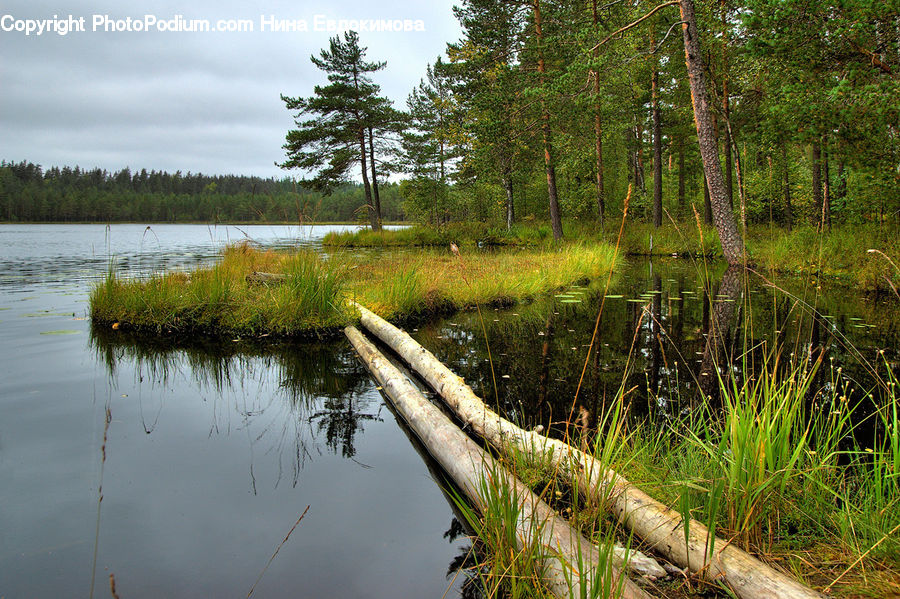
511, 568
785, 468
508, 568
311, 299
763, 446
220, 300
841, 252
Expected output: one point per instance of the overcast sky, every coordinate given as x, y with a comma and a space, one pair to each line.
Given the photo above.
199, 102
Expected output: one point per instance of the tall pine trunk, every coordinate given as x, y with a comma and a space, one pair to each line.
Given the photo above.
657, 138
598, 123
555, 222
681, 193
639, 157
826, 195
788, 209
375, 196
729, 236
726, 111
510, 207
370, 207
816, 166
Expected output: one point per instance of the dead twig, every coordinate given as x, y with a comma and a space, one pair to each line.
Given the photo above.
277, 549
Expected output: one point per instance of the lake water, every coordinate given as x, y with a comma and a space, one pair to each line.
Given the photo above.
212, 453
653, 341
215, 449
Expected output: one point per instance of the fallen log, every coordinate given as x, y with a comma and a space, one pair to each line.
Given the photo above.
569, 560
656, 524
265, 278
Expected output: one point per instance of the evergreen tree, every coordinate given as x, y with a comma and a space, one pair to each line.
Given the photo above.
427, 146
339, 117
487, 85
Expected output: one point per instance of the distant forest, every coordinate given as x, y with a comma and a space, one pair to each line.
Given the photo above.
29, 193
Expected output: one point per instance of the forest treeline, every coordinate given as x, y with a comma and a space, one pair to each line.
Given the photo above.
548, 107
29, 193
588, 97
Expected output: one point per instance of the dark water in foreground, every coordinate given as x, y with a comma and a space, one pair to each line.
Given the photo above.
654, 340
214, 450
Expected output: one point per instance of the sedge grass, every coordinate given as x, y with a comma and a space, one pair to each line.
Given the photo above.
311, 301
510, 567
773, 472
220, 300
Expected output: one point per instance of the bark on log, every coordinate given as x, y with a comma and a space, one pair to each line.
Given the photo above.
658, 525
264, 278
468, 465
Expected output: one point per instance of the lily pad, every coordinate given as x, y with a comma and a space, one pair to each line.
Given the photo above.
61, 332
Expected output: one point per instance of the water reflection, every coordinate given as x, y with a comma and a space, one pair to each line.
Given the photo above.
722, 327
317, 389
463, 572
668, 332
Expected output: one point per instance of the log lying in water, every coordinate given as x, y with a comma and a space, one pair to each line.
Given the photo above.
658, 525
564, 549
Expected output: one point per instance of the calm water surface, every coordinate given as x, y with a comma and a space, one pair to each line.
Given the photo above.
654, 338
213, 452
215, 449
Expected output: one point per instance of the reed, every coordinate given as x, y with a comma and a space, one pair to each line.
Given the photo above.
773, 471
220, 301
505, 568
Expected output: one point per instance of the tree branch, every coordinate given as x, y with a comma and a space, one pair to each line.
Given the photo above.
634, 24
873, 58
666, 36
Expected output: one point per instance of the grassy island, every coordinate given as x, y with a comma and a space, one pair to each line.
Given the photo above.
312, 300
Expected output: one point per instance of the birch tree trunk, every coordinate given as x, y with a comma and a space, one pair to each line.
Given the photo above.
568, 559
659, 526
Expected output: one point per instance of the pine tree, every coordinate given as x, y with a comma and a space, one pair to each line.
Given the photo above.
730, 238
427, 145
487, 85
340, 115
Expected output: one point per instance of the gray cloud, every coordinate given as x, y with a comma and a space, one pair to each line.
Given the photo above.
180, 101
